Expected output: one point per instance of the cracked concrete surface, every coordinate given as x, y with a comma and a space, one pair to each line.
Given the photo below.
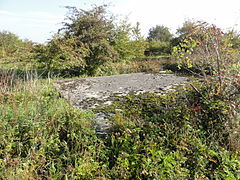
90, 92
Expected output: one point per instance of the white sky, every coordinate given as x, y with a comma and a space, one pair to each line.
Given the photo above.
37, 20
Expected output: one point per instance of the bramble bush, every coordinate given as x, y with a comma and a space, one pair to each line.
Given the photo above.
185, 135
207, 49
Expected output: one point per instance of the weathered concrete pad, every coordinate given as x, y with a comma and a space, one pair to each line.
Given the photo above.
90, 92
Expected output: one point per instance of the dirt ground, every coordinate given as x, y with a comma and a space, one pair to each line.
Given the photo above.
90, 92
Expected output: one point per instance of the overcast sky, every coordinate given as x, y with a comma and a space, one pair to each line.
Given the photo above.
38, 20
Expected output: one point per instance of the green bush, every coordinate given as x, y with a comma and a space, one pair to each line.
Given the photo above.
14, 52
183, 135
206, 48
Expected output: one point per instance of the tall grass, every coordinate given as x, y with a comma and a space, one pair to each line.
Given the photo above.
42, 136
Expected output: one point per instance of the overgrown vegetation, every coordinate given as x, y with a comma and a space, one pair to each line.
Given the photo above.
42, 135
192, 133
94, 42
183, 135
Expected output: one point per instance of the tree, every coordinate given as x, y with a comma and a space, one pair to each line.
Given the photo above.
9, 44
92, 32
138, 44
13, 49
159, 39
183, 32
160, 33
128, 41
187, 29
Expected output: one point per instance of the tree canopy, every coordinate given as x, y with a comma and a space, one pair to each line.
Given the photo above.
92, 32
89, 39
159, 38
160, 33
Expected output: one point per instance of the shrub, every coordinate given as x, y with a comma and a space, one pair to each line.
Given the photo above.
182, 135
207, 49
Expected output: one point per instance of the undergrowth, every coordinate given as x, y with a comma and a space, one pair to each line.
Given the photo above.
189, 134
43, 136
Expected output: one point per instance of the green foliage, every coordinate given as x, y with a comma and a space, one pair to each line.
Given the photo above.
188, 134
235, 68
160, 33
9, 43
14, 50
128, 41
157, 48
89, 42
159, 39
182, 135
45, 137
234, 39
207, 49
183, 32
138, 43
92, 32
153, 66
60, 54
192, 133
